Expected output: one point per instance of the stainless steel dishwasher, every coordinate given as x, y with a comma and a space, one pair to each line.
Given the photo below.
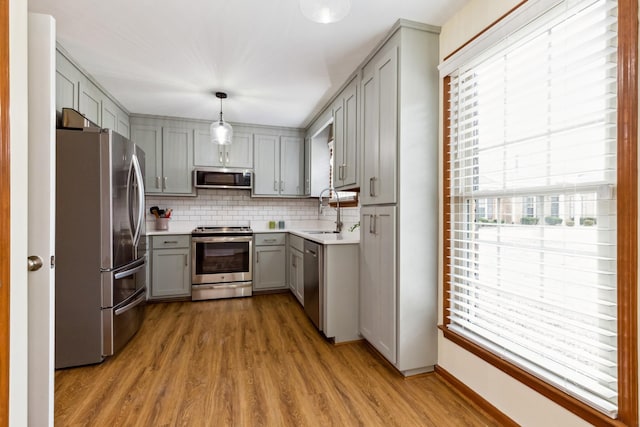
313, 282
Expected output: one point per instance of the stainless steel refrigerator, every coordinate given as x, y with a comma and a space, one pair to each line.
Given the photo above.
100, 244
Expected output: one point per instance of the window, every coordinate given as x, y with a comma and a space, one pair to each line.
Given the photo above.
531, 202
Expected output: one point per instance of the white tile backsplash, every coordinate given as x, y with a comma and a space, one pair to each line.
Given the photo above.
237, 207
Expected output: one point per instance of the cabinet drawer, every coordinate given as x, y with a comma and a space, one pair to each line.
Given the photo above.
296, 242
171, 241
270, 239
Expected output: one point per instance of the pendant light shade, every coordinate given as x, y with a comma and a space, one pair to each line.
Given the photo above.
221, 132
325, 11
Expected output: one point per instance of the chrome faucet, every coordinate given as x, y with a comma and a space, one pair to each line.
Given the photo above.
338, 221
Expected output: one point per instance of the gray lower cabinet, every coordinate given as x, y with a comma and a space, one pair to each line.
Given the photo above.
170, 266
296, 267
269, 270
340, 277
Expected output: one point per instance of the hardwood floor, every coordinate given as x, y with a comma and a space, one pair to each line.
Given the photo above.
250, 362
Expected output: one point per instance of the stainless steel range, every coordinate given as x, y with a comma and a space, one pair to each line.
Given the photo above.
222, 262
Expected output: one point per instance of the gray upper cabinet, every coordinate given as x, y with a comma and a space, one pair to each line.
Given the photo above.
114, 118
237, 155
291, 166
345, 128
168, 147
278, 165
75, 90
149, 138
67, 83
317, 154
123, 127
90, 101
177, 152
109, 116
380, 126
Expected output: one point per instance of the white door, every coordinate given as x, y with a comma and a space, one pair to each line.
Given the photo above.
41, 224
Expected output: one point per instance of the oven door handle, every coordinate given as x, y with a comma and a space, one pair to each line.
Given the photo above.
221, 239
221, 286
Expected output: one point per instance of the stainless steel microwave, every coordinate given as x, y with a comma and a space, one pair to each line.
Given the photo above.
223, 178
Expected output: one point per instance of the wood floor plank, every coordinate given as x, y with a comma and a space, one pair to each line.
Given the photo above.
250, 362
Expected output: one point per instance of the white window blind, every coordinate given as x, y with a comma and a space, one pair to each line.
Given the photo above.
532, 187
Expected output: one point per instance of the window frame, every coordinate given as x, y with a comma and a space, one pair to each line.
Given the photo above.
627, 236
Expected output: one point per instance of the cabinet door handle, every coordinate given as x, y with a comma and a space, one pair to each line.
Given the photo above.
344, 171
157, 182
257, 257
170, 242
371, 224
374, 219
281, 186
165, 183
220, 156
186, 262
372, 189
227, 162
269, 240
275, 185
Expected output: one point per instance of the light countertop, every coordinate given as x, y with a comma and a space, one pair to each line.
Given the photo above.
344, 238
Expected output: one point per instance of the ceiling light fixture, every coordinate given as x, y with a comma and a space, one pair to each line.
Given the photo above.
325, 11
221, 132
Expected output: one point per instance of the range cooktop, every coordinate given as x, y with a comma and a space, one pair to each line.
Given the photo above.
212, 231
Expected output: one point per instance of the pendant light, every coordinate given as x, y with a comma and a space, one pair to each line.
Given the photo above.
325, 11
221, 131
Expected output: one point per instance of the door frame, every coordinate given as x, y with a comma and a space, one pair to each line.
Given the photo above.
5, 212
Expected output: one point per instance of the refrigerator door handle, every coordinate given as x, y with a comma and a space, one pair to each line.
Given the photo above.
140, 183
130, 175
142, 298
136, 226
130, 272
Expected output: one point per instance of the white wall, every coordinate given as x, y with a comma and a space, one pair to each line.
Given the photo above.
18, 112
517, 401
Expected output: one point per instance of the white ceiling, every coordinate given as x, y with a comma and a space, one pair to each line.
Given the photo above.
169, 57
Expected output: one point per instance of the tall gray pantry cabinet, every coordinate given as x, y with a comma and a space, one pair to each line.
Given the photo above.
399, 193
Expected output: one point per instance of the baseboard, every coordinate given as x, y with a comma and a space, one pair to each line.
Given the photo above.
467, 392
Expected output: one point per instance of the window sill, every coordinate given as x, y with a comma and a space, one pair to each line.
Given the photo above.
568, 402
